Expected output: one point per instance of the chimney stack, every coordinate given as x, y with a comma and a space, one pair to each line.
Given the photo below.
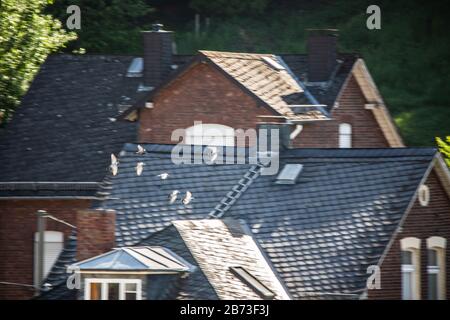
96, 232
322, 54
157, 55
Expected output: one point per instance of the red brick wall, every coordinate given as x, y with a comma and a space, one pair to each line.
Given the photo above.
422, 222
205, 94
95, 233
366, 132
200, 94
17, 228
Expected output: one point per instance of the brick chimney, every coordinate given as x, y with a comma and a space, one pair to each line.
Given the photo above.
157, 55
95, 232
322, 53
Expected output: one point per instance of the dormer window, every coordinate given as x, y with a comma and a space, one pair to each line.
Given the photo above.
112, 289
125, 273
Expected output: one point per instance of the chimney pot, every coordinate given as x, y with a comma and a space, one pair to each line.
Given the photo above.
157, 27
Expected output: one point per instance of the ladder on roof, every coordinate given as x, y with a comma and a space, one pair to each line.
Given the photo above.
236, 192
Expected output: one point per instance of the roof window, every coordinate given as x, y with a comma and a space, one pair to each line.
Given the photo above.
289, 174
252, 282
136, 68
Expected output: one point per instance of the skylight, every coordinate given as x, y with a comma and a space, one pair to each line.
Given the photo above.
136, 68
289, 174
252, 282
274, 64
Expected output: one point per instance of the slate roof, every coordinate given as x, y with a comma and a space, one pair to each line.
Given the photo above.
320, 235
64, 129
194, 287
325, 93
55, 287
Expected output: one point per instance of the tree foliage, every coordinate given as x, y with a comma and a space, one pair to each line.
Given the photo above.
444, 148
229, 7
108, 26
27, 37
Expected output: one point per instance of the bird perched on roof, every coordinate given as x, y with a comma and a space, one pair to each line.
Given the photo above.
163, 175
139, 168
114, 167
187, 198
211, 154
173, 196
140, 150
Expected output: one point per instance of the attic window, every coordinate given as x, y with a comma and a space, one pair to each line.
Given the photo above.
253, 283
112, 289
136, 68
289, 174
274, 64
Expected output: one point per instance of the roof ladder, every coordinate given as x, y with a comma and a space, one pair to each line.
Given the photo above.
236, 192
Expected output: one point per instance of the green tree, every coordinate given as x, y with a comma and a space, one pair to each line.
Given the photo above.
444, 148
108, 26
229, 7
27, 37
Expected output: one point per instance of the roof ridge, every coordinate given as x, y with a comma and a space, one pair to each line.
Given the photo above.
231, 53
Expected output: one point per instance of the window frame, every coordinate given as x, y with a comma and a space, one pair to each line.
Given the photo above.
439, 245
345, 130
412, 245
104, 282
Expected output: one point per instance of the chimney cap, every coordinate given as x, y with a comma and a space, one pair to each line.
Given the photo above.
157, 27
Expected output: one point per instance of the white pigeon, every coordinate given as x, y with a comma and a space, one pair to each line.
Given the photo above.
139, 168
187, 198
173, 196
114, 167
211, 154
163, 175
140, 150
